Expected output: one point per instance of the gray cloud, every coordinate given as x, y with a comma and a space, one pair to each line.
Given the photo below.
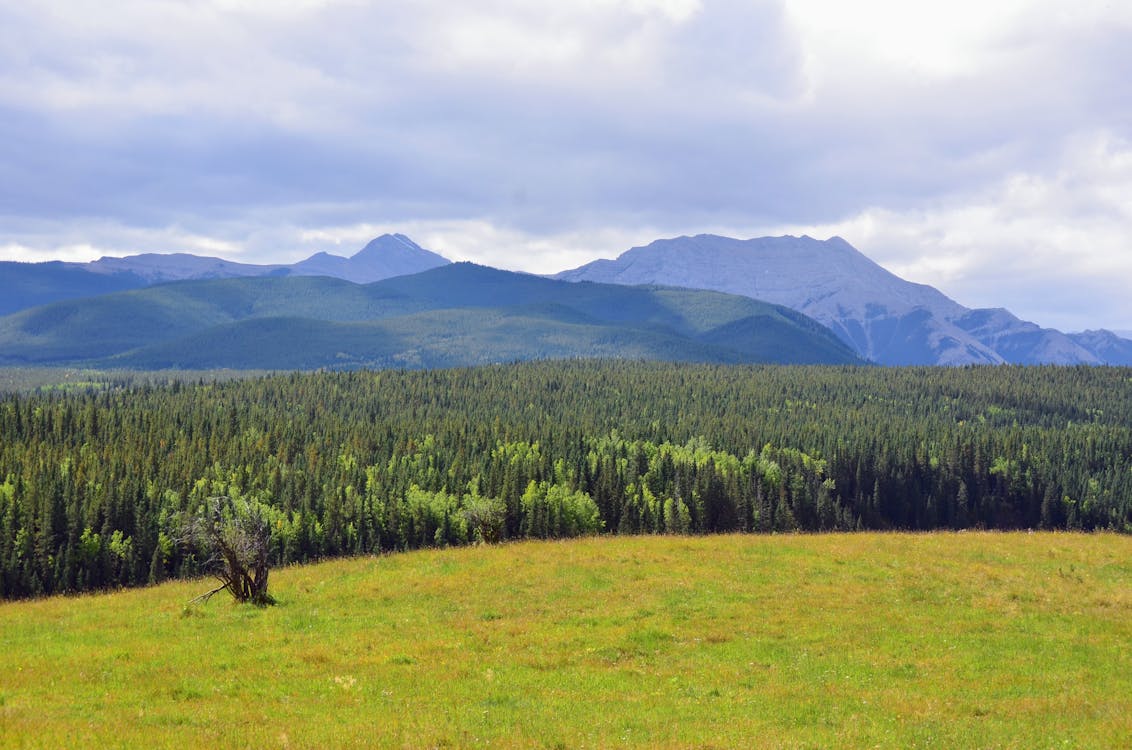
261, 125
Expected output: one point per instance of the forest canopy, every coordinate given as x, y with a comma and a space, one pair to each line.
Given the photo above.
95, 483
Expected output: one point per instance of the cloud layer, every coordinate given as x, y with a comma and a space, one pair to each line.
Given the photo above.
985, 148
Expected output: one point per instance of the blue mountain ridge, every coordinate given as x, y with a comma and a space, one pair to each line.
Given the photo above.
882, 317
453, 315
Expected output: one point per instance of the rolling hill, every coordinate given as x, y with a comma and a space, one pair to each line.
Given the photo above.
31, 284
456, 314
828, 640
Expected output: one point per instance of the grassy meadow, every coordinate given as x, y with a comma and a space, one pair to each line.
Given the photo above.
970, 640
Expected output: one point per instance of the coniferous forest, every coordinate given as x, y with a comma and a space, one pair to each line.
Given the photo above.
96, 484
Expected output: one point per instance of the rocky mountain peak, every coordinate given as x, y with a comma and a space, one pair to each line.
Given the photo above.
885, 318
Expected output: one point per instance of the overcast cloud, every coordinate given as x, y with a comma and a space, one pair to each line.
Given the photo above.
984, 147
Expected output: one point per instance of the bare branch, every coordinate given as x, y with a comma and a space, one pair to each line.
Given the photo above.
206, 595
236, 536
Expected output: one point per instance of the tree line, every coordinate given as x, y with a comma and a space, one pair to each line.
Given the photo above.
97, 485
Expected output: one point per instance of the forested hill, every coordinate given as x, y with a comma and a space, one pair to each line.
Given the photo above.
32, 284
455, 315
93, 486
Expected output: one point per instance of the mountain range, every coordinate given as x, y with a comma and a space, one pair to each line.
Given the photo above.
394, 303
452, 315
32, 284
885, 318
384, 257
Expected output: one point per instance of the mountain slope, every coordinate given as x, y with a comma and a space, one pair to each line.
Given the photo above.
156, 268
437, 338
1112, 348
883, 317
88, 329
1023, 343
452, 315
28, 285
688, 312
387, 256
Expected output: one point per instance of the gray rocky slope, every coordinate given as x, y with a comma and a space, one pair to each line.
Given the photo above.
883, 317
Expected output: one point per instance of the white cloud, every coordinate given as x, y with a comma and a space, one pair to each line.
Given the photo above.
928, 37
481, 241
1052, 247
938, 38
83, 241
956, 141
80, 253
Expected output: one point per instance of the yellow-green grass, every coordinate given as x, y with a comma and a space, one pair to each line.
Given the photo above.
866, 640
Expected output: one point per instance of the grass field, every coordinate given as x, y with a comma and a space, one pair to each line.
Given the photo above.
896, 641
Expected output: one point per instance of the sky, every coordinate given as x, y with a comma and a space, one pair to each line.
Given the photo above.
980, 146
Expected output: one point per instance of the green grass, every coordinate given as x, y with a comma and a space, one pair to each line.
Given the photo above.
894, 641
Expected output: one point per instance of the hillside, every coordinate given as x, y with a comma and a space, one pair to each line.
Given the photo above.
456, 314
27, 285
848, 641
33, 284
383, 257
368, 461
883, 317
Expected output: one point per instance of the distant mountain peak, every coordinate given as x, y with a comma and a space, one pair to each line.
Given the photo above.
158, 267
883, 317
390, 243
382, 258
